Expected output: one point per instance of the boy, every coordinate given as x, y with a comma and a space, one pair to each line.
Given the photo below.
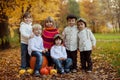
59, 55
70, 40
87, 41
35, 47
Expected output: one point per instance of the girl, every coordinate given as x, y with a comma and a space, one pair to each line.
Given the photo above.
26, 33
87, 41
59, 55
48, 34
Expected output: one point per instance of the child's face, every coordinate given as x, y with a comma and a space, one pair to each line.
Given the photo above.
71, 22
37, 31
58, 41
28, 20
49, 23
81, 25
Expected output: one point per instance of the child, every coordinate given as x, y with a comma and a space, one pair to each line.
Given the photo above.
35, 47
59, 55
86, 42
26, 33
70, 40
48, 34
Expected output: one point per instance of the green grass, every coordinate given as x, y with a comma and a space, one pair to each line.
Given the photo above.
108, 36
110, 50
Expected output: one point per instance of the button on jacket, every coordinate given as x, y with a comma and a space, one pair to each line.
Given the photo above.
86, 40
70, 38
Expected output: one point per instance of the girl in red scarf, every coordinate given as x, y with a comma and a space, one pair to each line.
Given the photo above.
48, 34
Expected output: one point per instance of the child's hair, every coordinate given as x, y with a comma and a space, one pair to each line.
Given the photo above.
82, 20
36, 26
58, 36
50, 19
27, 15
71, 16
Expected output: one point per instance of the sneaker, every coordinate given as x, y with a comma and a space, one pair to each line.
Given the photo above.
62, 72
22, 71
30, 71
74, 71
36, 73
67, 70
89, 71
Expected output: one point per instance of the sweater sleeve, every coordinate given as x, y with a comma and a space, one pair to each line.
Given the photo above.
64, 53
92, 38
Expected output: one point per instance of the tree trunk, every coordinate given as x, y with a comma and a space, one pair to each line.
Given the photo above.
4, 32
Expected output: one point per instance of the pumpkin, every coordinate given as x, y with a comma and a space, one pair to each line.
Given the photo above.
33, 61
53, 71
44, 71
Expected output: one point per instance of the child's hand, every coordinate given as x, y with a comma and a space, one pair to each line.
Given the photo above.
61, 58
93, 47
31, 36
46, 50
43, 51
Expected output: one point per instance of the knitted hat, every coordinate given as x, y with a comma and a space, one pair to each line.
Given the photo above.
58, 36
82, 20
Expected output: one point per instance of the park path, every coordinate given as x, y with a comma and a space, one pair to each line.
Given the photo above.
10, 62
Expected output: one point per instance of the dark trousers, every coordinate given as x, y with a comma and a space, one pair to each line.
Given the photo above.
73, 56
25, 58
50, 62
86, 62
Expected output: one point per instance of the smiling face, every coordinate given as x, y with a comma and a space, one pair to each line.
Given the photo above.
28, 20
80, 25
71, 22
49, 24
58, 41
37, 31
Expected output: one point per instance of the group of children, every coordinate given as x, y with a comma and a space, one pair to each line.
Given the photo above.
60, 50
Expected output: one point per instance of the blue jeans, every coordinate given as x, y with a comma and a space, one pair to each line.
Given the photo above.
25, 58
38, 56
63, 65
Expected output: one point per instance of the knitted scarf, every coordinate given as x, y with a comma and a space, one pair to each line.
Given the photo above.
48, 36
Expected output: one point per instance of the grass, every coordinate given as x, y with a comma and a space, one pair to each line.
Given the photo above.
109, 49
108, 36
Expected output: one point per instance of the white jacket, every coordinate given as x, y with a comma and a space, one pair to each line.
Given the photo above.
86, 40
57, 52
25, 32
70, 37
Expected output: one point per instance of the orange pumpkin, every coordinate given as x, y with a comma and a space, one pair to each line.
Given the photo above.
44, 71
33, 61
49, 68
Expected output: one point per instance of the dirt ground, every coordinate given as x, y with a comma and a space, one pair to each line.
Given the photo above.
10, 63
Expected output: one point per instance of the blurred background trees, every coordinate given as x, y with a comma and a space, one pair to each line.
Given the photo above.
102, 15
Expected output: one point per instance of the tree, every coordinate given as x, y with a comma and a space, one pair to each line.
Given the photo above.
73, 8
10, 12
90, 11
67, 7
4, 30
